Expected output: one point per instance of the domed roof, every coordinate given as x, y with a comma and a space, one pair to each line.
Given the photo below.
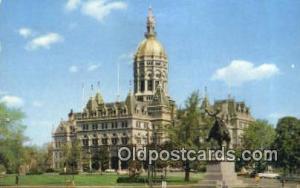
150, 47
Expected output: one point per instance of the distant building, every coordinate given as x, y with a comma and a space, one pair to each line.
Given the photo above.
236, 115
142, 117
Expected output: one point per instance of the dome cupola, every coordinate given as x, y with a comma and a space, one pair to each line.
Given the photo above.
150, 64
150, 46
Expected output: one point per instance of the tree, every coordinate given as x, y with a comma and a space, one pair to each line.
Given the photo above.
11, 138
104, 157
258, 135
71, 152
287, 144
185, 134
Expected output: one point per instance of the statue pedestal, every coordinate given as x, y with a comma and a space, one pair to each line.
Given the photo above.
221, 174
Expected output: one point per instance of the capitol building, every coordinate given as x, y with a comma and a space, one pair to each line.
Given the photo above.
141, 118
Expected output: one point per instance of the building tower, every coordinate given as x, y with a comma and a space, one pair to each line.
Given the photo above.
150, 64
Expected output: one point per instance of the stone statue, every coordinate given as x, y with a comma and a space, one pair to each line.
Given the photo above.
219, 131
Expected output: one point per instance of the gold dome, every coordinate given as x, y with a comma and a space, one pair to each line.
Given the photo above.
150, 47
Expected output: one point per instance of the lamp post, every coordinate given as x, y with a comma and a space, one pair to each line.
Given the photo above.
151, 167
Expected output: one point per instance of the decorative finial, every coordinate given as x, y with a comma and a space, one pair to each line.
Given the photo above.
150, 24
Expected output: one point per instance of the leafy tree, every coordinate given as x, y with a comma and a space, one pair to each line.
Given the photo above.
258, 135
104, 157
185, 134
11, 138
287, 144
71, 152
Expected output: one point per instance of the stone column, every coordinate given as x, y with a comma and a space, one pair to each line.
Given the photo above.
119, 164
109, 160
90, 162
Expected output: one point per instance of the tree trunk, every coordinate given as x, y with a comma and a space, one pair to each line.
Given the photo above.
187, 171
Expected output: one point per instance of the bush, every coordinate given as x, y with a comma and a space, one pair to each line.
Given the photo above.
131, 180
34, 173
2, 169
50, 170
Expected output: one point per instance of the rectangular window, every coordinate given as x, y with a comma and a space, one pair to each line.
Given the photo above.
138, 124
124, 140
85, 127
150, 85
104, 126
124, 124
95, 142
114, 141
85, 142
104, 141
95, 126
142, 86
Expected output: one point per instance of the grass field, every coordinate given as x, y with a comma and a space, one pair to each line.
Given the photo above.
88, 179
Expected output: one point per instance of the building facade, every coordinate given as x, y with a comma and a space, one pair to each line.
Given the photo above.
143, 115
141, 118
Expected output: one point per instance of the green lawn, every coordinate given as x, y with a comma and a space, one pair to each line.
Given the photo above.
89, 179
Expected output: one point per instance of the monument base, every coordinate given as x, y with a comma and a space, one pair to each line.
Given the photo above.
221, 174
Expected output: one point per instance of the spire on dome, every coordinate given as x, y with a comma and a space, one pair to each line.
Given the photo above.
150, 24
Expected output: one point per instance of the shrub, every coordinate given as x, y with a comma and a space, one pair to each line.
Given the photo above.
50, 170
34, 173
2, 169
131, 180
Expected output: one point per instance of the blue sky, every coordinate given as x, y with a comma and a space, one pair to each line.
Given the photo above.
250, 49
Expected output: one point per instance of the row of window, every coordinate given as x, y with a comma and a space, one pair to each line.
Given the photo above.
104, 141
109, 112
149, 85
157, 63
114, 125
142, 125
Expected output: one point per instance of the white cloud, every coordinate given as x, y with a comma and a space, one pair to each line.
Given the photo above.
93, 67
72, 4
37, 104
240, 71
44, 41
73, 69
25, 32
99, 9
12, 101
